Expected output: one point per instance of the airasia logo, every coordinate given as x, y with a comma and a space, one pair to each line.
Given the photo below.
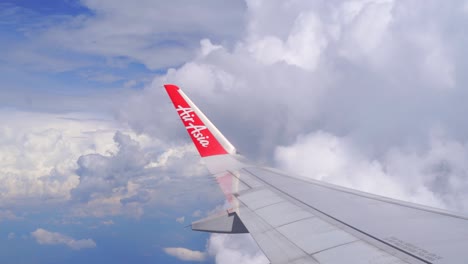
187, 115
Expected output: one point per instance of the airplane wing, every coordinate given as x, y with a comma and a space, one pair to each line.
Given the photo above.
299, 220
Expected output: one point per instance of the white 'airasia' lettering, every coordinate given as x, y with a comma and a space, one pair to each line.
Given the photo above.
185, 113
194, 130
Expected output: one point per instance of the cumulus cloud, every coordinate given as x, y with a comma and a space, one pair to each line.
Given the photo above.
197, 213
337, 160
228, 249
351, 80
44, 237
8, 215
100, 174
11, 236
186, 254
302, 48
435, 176
52, 159
38, 153
107, 223
362, 25
180, 220
135, 175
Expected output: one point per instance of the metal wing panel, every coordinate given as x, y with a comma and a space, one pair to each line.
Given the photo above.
286, 230
288, 233
276, 247
260, 198
282, 213
356, 252
267, 201
412, 233
314, 235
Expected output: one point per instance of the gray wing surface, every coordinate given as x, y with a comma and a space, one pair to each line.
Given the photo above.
300, 220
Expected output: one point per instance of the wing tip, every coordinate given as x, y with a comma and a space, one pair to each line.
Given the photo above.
170, 86
206, 137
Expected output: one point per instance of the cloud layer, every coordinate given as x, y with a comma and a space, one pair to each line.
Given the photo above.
44, 237
423, 178
38, 153
157, 34
186, 254
85, 167
367, 69
380, 82
229, 249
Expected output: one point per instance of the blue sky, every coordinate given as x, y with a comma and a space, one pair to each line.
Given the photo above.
95, 166
67, 71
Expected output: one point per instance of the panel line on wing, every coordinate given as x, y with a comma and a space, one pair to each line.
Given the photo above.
343, 223
337, 246
272, 204
295, 221
364, 194
271, 242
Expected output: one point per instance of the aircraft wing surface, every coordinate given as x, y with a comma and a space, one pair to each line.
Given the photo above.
300, 220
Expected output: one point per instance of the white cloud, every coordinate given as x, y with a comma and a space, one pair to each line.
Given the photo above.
436, 176
180, 220
134, 176
302, 48
8, 215
197, 213
146, 32
438, 66
363, 25
101, 174
227, 249
108, 222
44, 237
186, 254
48, 159
38, 152
341, 70
11, 236
207, 47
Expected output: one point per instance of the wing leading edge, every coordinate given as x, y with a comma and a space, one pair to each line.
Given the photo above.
299, 220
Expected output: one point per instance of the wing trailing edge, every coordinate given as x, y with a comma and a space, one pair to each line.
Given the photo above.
226, 223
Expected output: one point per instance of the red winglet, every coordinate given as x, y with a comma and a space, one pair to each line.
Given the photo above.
202, 137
